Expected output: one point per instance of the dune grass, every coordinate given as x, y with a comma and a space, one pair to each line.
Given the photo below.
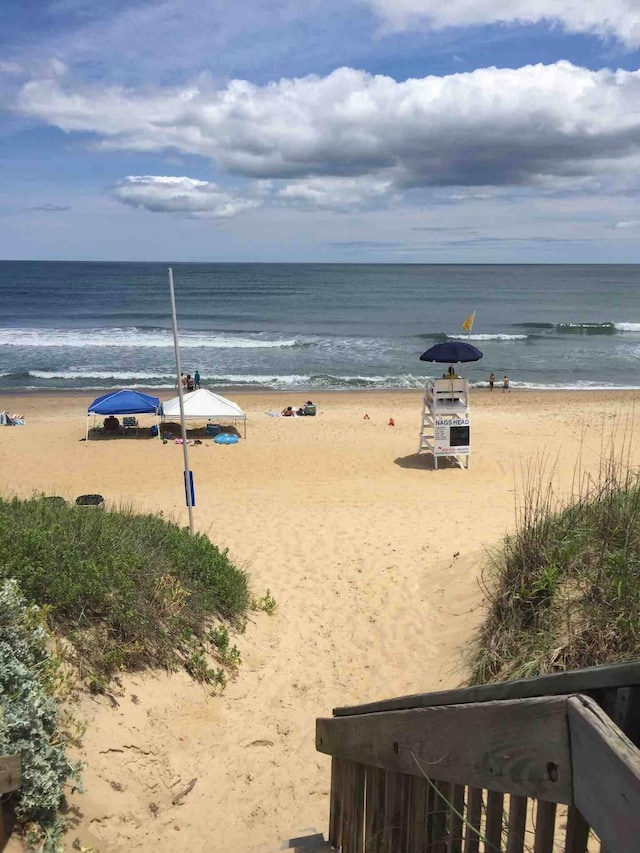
126, 591
564, 590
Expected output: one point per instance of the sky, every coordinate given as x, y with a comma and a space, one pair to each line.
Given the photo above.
395, 131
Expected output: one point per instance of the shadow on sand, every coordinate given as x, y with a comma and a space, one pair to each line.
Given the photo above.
424, 462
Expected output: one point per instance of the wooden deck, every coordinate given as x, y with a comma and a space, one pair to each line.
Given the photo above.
545, 765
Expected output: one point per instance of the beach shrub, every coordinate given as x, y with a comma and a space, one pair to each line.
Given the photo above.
126, 590
30, 723
564, 590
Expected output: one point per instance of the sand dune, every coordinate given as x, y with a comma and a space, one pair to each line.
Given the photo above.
354, 535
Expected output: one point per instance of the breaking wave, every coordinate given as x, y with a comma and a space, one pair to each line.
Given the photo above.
134, 337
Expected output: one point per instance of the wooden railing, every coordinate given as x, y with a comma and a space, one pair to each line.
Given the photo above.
10, 780
541, 765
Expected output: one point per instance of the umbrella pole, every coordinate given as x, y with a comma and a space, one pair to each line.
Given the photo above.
185, 450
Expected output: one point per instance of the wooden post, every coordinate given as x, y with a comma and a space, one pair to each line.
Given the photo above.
455, 823
374, 814
545, 827
392, 812
418, 815
474, 821
493, 832
517, 824
335, 808
577, 836
440, 819
601, 751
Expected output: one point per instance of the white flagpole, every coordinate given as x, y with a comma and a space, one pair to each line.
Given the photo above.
185, 450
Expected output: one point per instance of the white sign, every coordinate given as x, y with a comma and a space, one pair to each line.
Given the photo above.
451, 437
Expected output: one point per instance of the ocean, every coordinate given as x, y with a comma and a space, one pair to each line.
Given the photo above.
95, 326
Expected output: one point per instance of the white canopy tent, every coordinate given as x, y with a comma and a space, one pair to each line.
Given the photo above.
204, 405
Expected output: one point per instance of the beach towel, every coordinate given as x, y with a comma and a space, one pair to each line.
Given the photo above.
11, 420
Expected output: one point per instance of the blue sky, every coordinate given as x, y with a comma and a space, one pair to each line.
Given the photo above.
283, 130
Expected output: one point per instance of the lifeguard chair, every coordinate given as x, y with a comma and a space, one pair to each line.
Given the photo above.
445, 421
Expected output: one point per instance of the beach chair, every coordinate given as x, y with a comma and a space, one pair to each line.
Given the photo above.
90, 500
129, 423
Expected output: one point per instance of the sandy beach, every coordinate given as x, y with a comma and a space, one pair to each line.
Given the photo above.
373, 557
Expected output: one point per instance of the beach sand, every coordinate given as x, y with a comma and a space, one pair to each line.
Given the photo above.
374, 560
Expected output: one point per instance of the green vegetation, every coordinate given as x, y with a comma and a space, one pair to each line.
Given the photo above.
127, 591
564, 590
119, 591
31, 724
267, 603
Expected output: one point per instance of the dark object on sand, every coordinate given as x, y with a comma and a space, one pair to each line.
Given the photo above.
90, 500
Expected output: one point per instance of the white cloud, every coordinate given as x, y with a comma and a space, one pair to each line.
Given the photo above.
629, 223
605, 18
489, 127
162, 194
10, 67
333, 193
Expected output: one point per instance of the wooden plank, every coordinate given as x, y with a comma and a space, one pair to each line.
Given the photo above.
418, 814
502, 746
10, 773
353, 808
431, 808
626, 712
493, 832
440, 818
374, 809
577, 836
405, 812
348, 802
335, 805
517, 824
474, 821
392, 812
545, 827
602, 752
456, 819
558, 684
358, 808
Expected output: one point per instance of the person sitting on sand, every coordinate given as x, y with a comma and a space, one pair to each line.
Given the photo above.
288, 412
111, 423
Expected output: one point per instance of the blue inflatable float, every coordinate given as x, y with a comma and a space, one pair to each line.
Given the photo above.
226, 438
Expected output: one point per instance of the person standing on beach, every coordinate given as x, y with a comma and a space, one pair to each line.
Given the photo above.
196, 379
505, 385
492, 379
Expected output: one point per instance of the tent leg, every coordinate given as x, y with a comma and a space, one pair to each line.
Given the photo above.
86, 436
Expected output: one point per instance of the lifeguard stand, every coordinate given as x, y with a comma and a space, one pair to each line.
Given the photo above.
445, 420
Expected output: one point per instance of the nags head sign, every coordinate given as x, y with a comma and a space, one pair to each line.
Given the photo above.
451, 437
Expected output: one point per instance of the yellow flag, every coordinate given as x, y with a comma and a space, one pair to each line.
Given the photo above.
468, 323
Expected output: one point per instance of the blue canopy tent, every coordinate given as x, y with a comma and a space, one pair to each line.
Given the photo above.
124, 402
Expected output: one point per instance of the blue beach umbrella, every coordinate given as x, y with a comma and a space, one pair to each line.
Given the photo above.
451, 352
